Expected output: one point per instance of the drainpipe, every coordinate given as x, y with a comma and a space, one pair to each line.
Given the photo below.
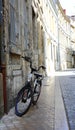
4, 87
2, 56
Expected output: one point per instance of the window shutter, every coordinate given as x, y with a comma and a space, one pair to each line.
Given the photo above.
12, 25
0, 11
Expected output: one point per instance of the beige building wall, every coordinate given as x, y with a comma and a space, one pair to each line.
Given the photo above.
50, 36
64, 39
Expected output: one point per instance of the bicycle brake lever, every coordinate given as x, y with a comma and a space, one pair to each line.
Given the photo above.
27, 58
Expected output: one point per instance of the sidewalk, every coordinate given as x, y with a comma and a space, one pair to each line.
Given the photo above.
48, 114
61, 122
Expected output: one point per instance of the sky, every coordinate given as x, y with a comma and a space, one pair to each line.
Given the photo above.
69, 5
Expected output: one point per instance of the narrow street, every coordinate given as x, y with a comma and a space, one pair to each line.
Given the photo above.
50, 113
67, 85
37, 35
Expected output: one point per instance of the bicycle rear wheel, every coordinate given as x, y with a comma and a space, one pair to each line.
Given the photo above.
23, 101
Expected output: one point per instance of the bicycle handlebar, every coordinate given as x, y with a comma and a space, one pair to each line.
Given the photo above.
42, 66
28, 59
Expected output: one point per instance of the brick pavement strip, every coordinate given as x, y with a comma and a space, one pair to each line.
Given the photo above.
39, 117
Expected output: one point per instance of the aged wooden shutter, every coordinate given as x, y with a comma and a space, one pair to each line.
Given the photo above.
12, 25
0, 12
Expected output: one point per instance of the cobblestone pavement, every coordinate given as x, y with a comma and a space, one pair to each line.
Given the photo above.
48, 114
67, 84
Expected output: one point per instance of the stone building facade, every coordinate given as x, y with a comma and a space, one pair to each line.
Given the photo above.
73, 41
35, 29
66, 41
64, 34
50, 18
22, 35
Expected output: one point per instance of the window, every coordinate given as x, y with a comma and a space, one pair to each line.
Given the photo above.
25, 15
51, 52
33, 27
0, 12
14, 21
12, 25
12, 2
57, 54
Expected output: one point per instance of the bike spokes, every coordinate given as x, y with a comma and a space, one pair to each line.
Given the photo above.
36, 94
23, 102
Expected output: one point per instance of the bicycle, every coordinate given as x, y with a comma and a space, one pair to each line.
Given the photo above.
30, 93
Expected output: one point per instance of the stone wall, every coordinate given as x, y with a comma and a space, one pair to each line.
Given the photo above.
21, 40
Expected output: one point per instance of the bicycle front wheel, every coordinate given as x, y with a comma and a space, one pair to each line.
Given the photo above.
23, 101
37, 91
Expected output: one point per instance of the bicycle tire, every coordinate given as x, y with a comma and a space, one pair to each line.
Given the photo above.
37, 91
24, 96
